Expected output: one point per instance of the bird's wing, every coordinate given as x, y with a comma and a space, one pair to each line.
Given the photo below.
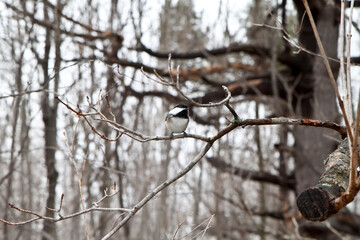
168, 116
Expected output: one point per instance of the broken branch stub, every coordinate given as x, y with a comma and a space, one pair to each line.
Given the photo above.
317, 203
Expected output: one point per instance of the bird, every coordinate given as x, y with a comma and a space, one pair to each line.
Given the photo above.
177, 119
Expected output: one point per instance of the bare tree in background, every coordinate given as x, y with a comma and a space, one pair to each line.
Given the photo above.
104, 157
49, 110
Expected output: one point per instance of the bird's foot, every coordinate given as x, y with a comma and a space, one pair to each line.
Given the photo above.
185, 134
171, 135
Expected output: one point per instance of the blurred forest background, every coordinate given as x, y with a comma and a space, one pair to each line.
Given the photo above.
246, 185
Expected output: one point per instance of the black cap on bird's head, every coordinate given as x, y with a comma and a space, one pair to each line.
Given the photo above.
180, 110
181, 106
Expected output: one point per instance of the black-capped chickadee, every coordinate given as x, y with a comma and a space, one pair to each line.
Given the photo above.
177, 119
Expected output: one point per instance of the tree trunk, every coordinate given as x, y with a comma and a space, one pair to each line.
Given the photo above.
14, 123
49, 119
164, 197
313, 145
49, 112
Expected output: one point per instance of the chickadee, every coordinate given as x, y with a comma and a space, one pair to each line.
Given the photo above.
177, 119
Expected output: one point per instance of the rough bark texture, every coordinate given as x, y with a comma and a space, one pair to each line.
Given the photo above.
317, 203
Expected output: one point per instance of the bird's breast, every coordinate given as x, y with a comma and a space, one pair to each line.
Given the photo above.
177, 125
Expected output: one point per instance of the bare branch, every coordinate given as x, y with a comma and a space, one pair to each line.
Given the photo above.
62, 218
24, 93
265, 177
357, 129
176, 85
292, 121
233, 112
79, 113
222, 102
106, 195
207, 226
348, 106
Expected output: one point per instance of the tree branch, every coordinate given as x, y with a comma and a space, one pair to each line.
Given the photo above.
291, 121
285, 58
232, 48
320, 202
60, 217
223, 166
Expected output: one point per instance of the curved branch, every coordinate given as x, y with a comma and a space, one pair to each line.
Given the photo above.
222, 102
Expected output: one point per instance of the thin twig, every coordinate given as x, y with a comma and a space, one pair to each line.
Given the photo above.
233, 112
175, 83
207, 226
356, 139
61, 218
344, 83
109, 108
293, 41
328, 68
207, 105
106, 195
348, 107
79, 176
348, 95
170, 69
79, 113
195, 228
60, 206
82, 197
178, 228
341, 48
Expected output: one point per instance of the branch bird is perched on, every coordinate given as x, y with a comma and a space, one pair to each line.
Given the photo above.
177, 119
